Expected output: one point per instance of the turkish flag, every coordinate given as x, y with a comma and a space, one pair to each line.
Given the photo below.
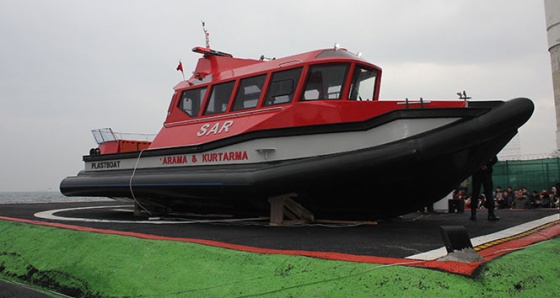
180, 67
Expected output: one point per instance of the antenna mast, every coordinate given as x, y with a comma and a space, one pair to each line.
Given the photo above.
206, 35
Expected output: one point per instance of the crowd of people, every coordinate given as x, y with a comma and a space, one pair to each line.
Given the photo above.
497, 199
513, 199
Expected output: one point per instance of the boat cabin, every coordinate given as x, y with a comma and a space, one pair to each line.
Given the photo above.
223, 85
232, 96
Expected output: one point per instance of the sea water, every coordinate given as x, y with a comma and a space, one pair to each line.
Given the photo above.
42, 197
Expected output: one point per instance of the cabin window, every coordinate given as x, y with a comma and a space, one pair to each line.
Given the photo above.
282, 86
219, 98
325, 82
363, 84
191, 100
249, 92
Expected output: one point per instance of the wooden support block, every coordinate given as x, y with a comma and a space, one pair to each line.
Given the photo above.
298, 211
276, 210
284, 206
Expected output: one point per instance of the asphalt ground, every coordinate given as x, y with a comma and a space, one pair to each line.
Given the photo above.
401, 237
10, 290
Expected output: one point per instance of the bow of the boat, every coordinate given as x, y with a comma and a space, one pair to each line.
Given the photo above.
499, 123
506, 117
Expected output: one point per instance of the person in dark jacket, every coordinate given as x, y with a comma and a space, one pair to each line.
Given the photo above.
484, 177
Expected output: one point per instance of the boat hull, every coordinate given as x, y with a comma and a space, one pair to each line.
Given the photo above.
393, 177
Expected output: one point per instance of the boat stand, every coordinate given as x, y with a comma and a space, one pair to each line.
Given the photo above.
284, 206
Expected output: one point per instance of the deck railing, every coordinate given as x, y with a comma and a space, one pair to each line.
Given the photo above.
104, 135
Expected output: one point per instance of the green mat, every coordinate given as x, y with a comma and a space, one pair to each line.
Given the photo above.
85, 264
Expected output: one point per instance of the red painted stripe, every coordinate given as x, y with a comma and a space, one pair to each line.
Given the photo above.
448, 266
516, 244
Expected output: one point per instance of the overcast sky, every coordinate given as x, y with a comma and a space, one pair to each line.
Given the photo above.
67, 67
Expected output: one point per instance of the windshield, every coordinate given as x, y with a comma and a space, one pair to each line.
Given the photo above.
325, 81
363, 84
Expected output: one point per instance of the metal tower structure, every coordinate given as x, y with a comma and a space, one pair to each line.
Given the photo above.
552, 11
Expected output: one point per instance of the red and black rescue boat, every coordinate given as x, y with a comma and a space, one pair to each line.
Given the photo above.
240, 131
